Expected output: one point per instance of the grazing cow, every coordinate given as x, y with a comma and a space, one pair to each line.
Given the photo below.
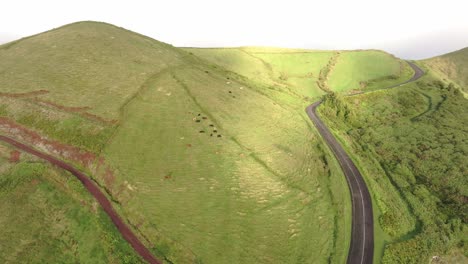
219, 135
215, 131
202, 131
198, 121
205, 117
230, 92
211, 125
211, 134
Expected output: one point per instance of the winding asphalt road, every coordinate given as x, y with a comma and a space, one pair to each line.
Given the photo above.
106, 205
361, 250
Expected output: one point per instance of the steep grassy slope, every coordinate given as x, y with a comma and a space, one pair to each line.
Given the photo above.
48, 217
451, 67
208, 165
252, 194
410, 143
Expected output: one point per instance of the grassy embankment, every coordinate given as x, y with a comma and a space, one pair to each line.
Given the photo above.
410, 143
265, 190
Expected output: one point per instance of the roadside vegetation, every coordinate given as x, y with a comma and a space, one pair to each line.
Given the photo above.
410, 142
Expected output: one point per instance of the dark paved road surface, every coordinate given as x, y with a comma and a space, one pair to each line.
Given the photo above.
361, 249
123, 228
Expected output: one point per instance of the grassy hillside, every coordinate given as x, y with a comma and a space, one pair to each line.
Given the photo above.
293, 70
93, 67
364, 70
451, 67
410, 143
210, 166
48, 217
308, 74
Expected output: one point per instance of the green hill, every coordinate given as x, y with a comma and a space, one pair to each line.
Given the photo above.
451, 67
293, 70
310, 73
92, 65
366, 70
195, 157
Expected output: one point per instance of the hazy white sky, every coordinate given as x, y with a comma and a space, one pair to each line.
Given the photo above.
409, 29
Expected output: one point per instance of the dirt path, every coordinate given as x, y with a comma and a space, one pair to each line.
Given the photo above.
123, 228
361, 250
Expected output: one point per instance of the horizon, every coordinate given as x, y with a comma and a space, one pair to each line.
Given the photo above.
4, 39
339, 25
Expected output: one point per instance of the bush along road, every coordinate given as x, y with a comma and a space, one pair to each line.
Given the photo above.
361, 250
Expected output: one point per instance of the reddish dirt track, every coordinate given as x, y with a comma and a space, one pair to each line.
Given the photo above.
126, 232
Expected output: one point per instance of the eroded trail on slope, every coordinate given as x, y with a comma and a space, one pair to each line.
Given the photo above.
106, 205
361, 249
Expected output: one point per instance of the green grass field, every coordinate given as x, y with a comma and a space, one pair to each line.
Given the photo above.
364, 70
48, 217
248, 195
309, 74
296, 71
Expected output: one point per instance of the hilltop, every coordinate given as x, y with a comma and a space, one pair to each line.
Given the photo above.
91, 65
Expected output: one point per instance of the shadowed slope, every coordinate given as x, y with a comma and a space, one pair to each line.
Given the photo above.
451, 67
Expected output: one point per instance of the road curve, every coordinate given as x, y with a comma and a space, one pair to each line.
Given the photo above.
361, 250
123, 228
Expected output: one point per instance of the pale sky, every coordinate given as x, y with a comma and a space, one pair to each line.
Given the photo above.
409, 29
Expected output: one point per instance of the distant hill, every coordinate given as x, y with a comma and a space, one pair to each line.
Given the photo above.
310, 73
451, 67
